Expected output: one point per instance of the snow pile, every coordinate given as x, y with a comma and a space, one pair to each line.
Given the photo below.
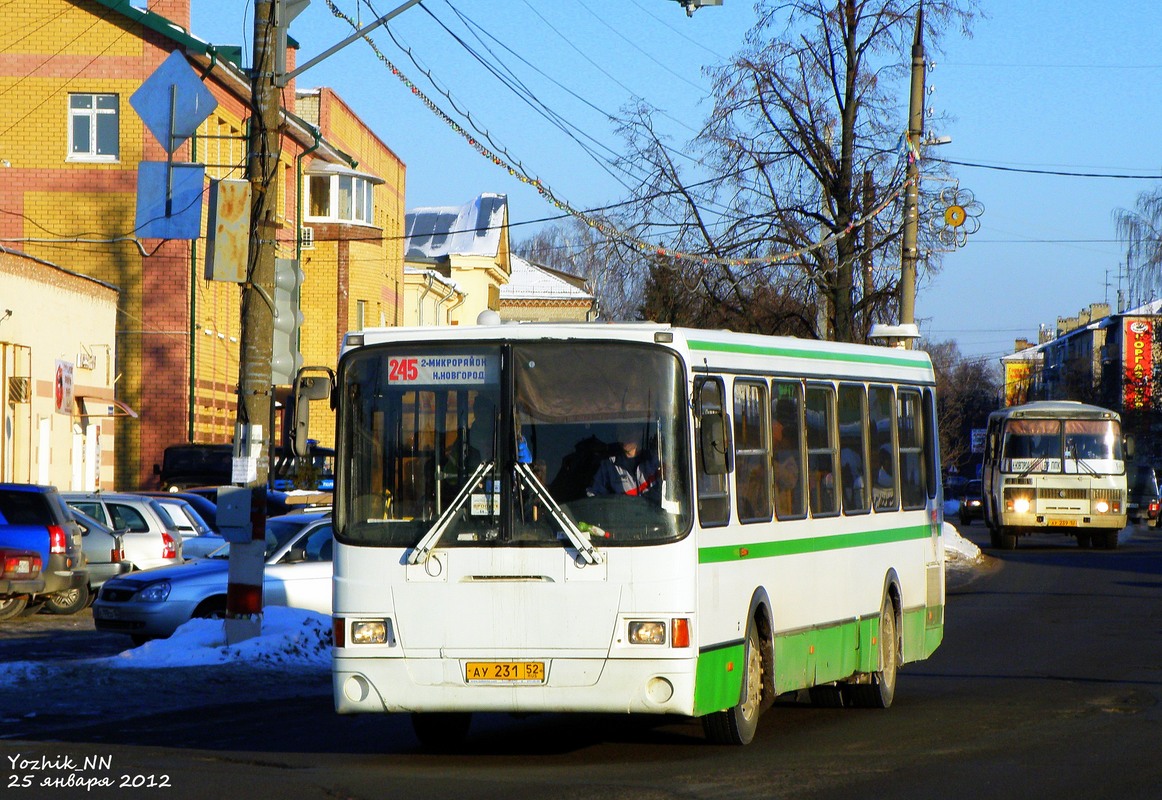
959, 551
290, 636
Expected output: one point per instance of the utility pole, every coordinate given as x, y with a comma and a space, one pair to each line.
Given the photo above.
909, 252
252, 429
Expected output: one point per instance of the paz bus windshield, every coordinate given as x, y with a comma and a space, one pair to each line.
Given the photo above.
1063, 445
516, 444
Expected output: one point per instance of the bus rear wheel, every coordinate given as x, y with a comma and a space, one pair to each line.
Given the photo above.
880, 690
442, 732
737, 725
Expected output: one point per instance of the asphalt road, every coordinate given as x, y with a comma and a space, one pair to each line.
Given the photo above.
1047, 685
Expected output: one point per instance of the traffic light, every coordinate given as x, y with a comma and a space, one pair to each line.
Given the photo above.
285, 357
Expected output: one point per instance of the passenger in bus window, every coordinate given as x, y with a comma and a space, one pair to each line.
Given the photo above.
785, 450
851, 474
632, 470
884, 492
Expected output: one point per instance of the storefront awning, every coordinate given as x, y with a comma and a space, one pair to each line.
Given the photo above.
104, 407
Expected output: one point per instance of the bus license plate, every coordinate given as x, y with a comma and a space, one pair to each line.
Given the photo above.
504, 671
1062, 523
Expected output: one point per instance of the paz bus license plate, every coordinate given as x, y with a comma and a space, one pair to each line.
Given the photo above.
504, 671
1062, 523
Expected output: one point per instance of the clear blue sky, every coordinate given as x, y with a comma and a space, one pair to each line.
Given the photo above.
1041, 85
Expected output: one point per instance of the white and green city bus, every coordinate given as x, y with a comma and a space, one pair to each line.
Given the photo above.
786, 534
1054, 467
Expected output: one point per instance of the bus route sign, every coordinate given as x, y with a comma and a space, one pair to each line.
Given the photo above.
443, 370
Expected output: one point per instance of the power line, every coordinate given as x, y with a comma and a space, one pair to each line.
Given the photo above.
1060, 173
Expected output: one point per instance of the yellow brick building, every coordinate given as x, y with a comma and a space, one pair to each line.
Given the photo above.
70, 149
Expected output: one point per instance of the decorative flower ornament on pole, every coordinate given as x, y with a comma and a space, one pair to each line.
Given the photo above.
954, 215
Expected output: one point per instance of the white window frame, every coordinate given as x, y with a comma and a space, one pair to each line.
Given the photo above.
94, 115
351, 199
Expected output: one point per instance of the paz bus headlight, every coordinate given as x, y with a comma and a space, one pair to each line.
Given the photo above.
1020, 504
1101, 506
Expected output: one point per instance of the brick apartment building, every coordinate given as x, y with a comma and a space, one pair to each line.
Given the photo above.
70, 149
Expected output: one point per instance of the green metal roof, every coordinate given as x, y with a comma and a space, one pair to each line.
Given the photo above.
158, 23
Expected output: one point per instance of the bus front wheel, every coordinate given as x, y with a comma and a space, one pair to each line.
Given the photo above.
442, 732
1003, 538
737, 725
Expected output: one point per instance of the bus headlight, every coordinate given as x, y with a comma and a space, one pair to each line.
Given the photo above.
1021, 505
652, 632
372, 631
1101, 507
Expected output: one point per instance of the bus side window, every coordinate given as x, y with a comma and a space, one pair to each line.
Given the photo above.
882, 418
822, 451
853, 458
931, 451
750, 451
788, 473
713, 433
910, 438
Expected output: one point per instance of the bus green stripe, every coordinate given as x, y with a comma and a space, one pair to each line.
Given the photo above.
811, 544
913, 362
812, 657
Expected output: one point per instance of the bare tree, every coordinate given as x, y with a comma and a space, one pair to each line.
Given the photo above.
967, 391
1140, 230
804, 141
576, 248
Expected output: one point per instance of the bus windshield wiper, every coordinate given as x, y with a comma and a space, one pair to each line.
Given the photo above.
425, 546
1083, 464
576, 537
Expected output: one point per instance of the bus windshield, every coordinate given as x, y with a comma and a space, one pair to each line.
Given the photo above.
518, 444
1069, 445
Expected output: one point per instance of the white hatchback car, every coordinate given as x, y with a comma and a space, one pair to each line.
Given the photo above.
150, 539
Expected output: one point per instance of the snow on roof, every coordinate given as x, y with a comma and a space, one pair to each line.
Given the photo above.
528, 281
473, 229
1153, 308
435, 276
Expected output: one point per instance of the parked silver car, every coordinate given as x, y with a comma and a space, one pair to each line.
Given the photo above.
150, 539
183, 516
153, 604
198, 538
105, 558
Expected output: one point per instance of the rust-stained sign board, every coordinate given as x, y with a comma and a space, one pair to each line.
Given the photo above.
228, 231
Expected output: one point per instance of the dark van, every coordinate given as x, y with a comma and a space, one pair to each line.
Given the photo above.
187, 465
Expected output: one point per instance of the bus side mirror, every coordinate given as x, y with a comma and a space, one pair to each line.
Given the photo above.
715, 448
307, 388
1128, 445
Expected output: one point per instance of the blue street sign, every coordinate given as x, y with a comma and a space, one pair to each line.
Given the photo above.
176, 216
173, 102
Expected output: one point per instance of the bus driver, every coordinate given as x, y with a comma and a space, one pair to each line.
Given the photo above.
632, 470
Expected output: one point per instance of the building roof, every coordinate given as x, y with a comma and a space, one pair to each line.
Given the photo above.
156, 22
473, 229
529, 281
1151, 309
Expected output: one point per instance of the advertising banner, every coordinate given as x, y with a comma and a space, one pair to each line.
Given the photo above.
1138, 363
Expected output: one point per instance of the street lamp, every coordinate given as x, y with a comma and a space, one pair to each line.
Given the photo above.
694, 5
